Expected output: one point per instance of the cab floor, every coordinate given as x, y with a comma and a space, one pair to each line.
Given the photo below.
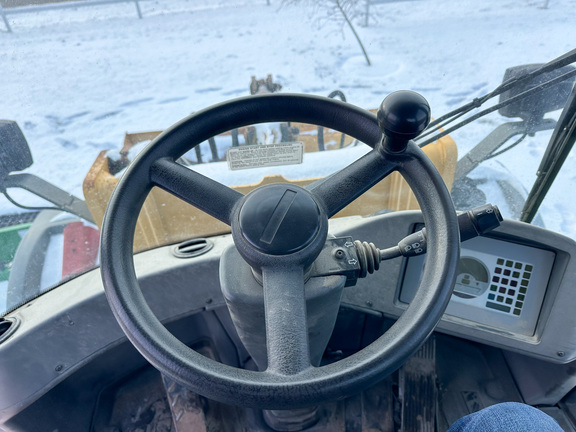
447, 379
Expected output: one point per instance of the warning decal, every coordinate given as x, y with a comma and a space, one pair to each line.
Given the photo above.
256, 156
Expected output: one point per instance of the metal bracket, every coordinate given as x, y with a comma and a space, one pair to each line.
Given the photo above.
495, 140
63, 200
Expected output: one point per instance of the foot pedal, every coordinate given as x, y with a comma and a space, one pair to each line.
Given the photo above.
192, 412
185, 406
417, 391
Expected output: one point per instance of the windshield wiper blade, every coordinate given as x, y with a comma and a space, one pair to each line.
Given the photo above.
437, 124
560, 145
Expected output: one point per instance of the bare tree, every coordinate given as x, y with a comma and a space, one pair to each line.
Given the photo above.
343, 11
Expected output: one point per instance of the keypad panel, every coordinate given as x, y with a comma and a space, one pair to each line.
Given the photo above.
509, 286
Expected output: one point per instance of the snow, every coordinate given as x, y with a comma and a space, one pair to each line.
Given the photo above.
77, 79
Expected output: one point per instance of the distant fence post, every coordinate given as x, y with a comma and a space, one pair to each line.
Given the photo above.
6, 23
138, 11
367, 14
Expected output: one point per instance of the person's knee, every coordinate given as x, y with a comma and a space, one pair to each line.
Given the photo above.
508, 416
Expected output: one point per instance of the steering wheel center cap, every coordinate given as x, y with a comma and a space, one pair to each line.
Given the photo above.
279, 219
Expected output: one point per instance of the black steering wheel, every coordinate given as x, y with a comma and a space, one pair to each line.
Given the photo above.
282, 257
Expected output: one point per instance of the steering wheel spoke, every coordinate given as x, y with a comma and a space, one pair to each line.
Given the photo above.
202, 192
286, 323
340, 189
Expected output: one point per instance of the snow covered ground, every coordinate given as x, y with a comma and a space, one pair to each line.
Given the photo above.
77, 79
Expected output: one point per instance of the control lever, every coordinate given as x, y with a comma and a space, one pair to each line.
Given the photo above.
472, 223
355, 259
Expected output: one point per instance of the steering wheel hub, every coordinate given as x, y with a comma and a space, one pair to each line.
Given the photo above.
279, 219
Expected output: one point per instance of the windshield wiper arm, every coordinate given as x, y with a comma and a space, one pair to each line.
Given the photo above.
561, 143
509, 101
437, 124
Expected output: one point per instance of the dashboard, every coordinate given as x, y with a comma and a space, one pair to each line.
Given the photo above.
514, 290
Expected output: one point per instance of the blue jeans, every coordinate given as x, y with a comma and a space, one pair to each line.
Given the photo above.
507, 417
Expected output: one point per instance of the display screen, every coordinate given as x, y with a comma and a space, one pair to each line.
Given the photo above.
472, 279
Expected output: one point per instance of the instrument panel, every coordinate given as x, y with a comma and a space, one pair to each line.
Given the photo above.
514, 288
498, 283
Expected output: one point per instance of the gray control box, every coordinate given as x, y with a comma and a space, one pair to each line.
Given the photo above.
499, 284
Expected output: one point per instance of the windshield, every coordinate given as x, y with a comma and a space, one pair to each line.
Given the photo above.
89, 86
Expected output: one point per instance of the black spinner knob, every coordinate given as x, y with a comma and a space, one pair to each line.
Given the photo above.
402, 116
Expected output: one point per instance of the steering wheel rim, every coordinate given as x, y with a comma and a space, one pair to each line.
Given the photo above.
275, 389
